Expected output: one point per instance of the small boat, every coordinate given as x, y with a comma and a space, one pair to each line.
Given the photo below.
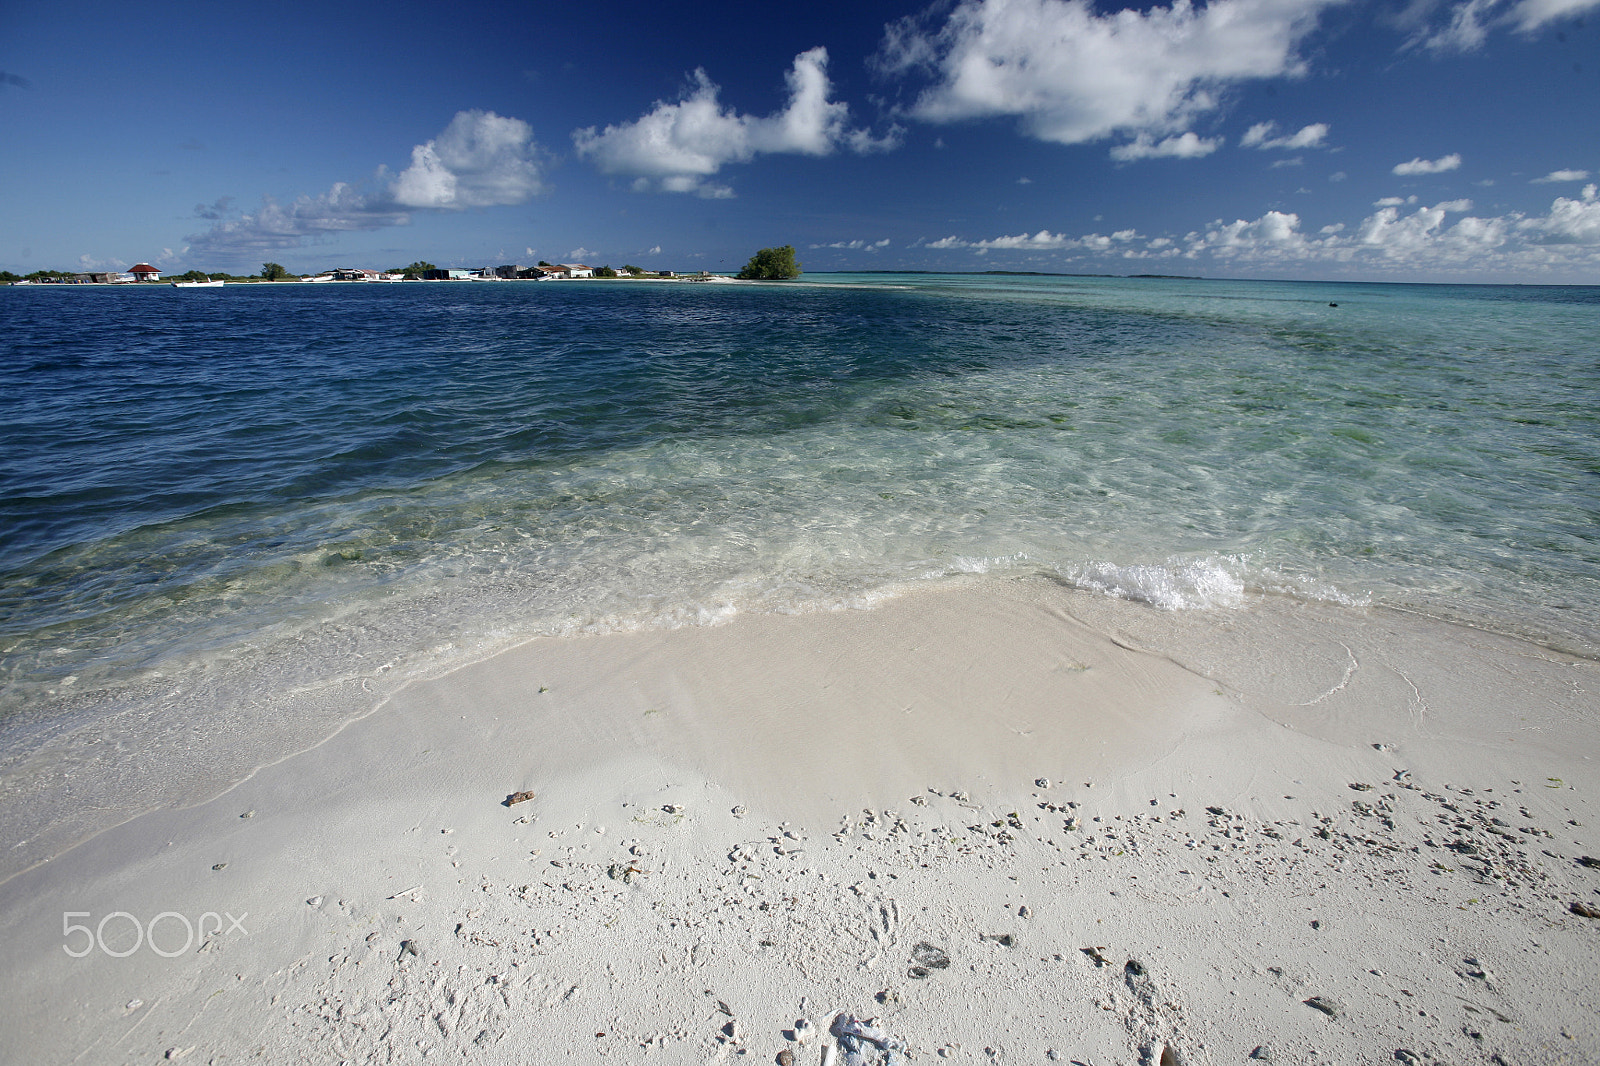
197, 284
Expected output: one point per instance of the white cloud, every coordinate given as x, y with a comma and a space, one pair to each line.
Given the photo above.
1071, 75
1292, 161
1464, 29
1565, 242
1569, 221
1394, 201
1181, 146
480, 160
1425, 166
1275, 231
87, 262
654, 251
1561, 175
857, 245
1042, 241
678, 146
1530, 15
1466, 24
1261, 136
578, 255
274, 226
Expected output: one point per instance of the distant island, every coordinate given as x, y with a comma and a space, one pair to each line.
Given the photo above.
768, 264
271, 273
1021, 274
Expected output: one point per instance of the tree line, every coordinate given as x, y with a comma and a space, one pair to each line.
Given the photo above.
769, 264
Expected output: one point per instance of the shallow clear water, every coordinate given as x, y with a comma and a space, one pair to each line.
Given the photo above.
281, 487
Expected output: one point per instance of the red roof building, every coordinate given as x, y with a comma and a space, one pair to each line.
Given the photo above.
145, 272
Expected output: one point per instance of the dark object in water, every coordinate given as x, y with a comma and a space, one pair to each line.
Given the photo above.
1333, 304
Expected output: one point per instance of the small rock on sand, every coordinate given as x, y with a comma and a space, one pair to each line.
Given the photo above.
1324, 1004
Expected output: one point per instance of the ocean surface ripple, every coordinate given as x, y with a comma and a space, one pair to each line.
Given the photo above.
298, 485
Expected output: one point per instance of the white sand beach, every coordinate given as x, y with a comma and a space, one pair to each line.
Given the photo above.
1008, 821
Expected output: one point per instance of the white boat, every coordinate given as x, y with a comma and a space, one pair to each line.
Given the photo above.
197, 284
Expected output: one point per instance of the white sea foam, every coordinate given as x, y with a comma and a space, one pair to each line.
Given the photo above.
1177, 584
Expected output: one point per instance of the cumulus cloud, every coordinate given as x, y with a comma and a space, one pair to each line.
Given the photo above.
1071, 75
1427, 166
678, 146
1569, 221
1560, 176
1261, 136
1042, 241
1567, 237
1180, 146
479, 160
1399, 238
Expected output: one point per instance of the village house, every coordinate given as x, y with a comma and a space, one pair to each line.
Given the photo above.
145, 272
576, 270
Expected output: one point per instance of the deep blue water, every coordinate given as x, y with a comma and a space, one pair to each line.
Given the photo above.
392, 474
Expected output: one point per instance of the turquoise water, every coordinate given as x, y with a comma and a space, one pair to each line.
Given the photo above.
219, 494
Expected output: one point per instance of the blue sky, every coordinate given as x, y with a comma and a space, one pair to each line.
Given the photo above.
1341, 139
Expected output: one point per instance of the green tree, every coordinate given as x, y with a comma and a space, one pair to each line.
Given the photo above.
415, 270
633, 270
543, 263
194, 275
273, 271
604, 272
7, 276
771, 264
